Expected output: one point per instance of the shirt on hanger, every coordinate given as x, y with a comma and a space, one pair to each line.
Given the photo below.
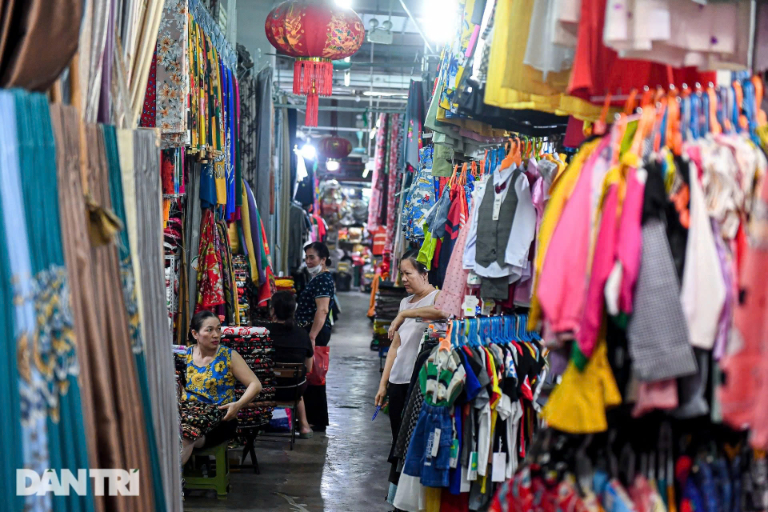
521, 235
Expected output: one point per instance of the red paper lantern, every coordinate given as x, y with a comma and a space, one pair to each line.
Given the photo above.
316, 33
335, 148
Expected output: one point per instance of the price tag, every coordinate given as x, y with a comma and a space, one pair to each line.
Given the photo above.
472, 474
499, 471
435, 443
470, 305
488, 305
454, 461
473, 279
496, 206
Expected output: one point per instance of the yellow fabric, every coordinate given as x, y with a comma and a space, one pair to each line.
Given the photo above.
578, 403
518, 76
433, 496
246, 220
513, 85
560, 191
234, 238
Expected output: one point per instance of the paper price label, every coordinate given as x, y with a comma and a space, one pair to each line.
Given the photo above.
435, 443
470, 305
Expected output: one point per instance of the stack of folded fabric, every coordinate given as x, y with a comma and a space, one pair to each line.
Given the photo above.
285, 284
255, 345
242, 276
386, 308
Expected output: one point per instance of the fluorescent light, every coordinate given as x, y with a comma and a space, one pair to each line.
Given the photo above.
383, 93
346, 4
308, 151
332, 165
440, 24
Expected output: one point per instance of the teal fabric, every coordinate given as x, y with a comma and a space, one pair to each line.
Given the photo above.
67, 447
131, 304
10, 426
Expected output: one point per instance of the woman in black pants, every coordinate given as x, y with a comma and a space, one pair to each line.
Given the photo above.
312, 313
406, 332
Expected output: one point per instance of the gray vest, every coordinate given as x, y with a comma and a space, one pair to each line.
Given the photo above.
493, 235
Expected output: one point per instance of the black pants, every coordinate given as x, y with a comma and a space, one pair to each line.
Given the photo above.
315, 398
222, 432
398, 394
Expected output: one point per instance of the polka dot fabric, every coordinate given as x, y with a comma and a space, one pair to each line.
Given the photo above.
318, 287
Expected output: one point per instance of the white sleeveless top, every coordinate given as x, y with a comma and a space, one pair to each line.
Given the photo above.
411, 333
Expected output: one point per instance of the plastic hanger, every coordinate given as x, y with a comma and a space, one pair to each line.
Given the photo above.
760, 115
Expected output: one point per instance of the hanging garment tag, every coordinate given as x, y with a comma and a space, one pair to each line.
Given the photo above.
470, 305
428, 452
465, 484
499, 471
488, 305
454, 461
473, 279
472, 473
435, 443
496, 206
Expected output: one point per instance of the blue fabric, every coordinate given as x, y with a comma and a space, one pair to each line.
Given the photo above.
705, 483
434, 471
207, 186
472, 385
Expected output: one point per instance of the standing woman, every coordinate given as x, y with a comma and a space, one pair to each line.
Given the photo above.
313, 307
406, 332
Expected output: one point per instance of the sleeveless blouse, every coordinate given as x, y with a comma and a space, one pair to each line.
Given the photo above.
213, 383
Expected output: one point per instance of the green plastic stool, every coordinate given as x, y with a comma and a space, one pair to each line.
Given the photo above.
220, 481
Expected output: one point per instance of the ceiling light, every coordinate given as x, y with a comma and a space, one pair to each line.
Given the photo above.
382, 93
308, 151
346, 4
332, 165
440, 25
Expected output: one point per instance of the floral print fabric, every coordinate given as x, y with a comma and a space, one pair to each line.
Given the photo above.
172, 72
210, 288
213, 383
198, 419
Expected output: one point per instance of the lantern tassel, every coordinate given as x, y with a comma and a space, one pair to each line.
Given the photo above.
313, 103
313, 73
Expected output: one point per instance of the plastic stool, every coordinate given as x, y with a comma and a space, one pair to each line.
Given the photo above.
220, 481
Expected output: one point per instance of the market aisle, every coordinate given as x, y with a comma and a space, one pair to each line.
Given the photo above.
344, 470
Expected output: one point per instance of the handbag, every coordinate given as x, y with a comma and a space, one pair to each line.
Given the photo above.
320, 366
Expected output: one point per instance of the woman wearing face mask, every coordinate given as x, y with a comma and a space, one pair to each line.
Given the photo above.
208, 407
406, 331
313, 307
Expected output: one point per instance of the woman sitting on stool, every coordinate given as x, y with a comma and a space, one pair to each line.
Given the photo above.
208, 407
292, 345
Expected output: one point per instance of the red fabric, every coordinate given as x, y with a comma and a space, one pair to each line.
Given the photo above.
210, 288
379, 241
167, 170
452, 503
598, 70
149, 111
574, 133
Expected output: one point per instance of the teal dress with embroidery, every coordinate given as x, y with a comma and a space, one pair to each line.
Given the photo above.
54, 345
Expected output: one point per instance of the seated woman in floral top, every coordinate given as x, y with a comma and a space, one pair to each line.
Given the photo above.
208, 407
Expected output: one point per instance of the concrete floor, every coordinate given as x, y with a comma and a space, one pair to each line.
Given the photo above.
344, 469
